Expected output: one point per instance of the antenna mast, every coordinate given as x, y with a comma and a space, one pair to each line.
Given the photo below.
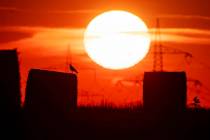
158, 50
67, 57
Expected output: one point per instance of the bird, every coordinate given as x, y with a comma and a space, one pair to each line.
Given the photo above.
73, 69
196, 100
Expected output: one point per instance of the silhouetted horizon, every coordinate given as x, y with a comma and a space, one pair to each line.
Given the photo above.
51, 112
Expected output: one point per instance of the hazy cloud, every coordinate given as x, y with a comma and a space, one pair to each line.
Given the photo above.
8, 9
78, 11
173, 16
178, 35
11, 36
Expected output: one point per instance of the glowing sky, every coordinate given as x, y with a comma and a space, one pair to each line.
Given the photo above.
42, 30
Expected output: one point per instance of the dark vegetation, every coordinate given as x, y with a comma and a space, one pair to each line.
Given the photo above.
110, 123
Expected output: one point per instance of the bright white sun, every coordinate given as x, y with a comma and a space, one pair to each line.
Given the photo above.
117, 40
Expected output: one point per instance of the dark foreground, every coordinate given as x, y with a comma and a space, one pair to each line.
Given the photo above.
105, 124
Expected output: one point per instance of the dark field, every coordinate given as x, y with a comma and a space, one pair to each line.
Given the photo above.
108, 123
50, 109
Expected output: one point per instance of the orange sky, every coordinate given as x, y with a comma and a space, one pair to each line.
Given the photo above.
42, 30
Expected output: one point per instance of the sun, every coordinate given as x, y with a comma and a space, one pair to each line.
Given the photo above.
117, 40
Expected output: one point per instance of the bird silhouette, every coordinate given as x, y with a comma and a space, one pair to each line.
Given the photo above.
72, 69
196, 100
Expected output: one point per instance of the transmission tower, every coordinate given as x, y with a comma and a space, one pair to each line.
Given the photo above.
160, 50
158, 53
